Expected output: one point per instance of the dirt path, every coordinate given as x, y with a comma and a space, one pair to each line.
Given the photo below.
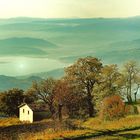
126, 134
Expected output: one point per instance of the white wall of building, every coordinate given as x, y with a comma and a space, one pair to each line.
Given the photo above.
25, 114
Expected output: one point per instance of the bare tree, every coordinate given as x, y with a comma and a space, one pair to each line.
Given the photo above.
131, 84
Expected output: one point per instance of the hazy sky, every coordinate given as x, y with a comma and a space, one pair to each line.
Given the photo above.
69, 8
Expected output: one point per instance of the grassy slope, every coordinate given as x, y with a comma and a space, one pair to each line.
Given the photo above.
124, 128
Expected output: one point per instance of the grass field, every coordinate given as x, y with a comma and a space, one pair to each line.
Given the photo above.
131, 135
93, 128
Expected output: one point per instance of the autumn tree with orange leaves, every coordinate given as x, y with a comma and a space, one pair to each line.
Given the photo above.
62, 92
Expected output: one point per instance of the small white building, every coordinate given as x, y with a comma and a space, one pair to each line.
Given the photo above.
31, 112
25, 113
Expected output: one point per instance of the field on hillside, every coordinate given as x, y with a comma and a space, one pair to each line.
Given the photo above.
126, 128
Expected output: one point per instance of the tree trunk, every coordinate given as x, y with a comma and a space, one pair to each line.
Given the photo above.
90, 104
52, 110
130, 89
129, 98
60, 112
90, 108
127, 94
135, 96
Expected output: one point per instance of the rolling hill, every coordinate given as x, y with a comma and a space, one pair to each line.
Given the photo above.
25, 82
7, 82
57, 73
24, 46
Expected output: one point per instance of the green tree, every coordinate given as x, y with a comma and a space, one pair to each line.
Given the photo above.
30, 96
110, 82
10, 101
2, 94
44, 91
83, 75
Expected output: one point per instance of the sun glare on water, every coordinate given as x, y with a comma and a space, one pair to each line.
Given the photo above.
22, 66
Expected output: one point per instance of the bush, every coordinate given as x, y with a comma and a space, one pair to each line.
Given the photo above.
113, 108
133, 109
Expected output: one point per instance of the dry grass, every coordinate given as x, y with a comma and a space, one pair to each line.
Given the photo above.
49, 129
92, 126
9, 122
127, 122
51, 135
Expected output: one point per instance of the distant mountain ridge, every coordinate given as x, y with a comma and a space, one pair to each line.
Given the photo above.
25, 82
57, 73
63, 41
8, 82
24, 46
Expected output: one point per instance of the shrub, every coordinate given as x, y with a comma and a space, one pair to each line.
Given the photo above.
113, 107
133, 109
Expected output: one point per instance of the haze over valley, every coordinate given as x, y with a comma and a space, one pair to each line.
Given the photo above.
30, 46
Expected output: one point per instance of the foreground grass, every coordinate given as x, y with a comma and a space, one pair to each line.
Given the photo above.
9, 122
72, 129
121, 124
127, 135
